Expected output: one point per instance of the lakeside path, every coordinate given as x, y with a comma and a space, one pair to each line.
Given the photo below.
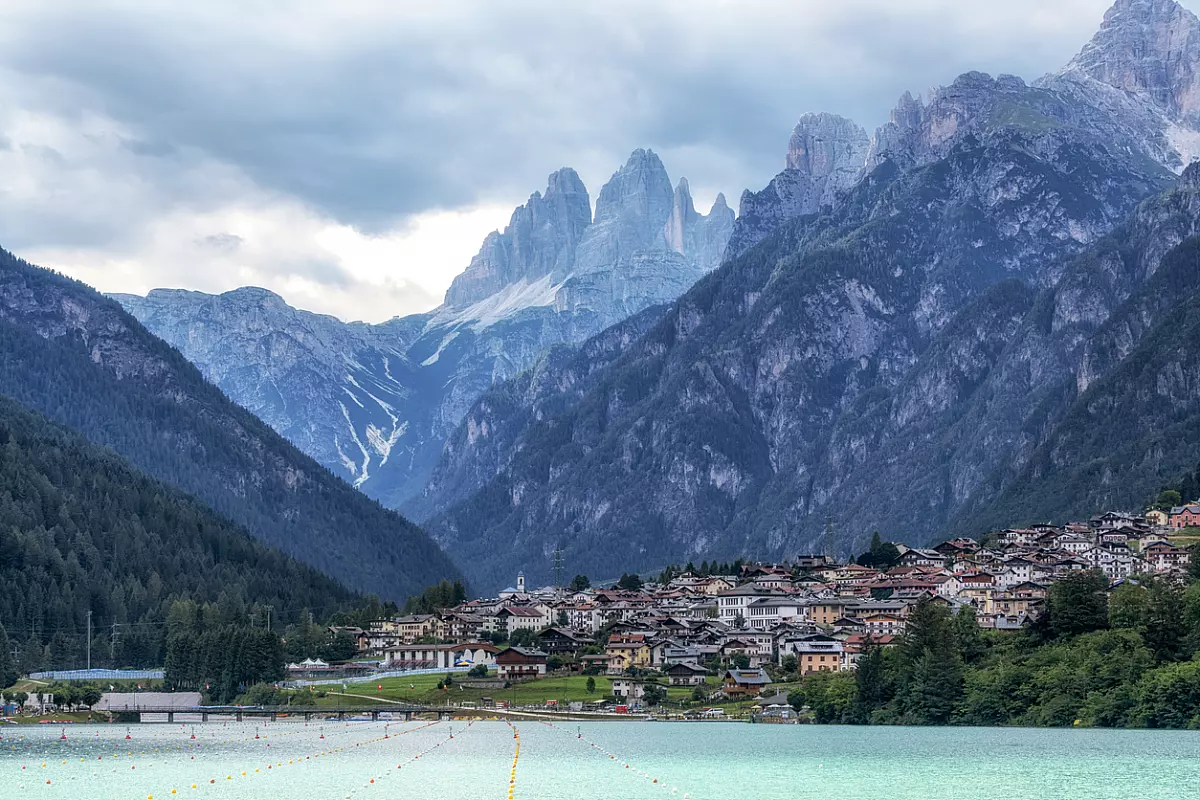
504, 712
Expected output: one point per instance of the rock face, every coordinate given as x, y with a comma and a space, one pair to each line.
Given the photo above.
540, 240
1142, 69
375, 403
825, 156
916, 349
1136, 85
1148, 48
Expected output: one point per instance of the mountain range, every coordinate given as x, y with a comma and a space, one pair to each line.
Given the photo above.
930, 346
980, 315
375, 403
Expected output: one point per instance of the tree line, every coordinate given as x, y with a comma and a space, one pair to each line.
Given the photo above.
81, 531
1094, 658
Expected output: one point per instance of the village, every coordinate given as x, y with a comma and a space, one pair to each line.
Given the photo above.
731, 637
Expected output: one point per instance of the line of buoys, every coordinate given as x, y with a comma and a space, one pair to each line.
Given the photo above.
372, 781
512, 777
298, 760
613, 757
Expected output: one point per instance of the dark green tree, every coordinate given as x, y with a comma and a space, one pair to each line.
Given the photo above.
654, 694
1127, 606
1168, 499
341, 647
872, 689
580, 583
968, 638
935, 687
1163, 626
437, 597
8, 669
90, 695
1078, 604
631, 583
880, 555
522, 637
931, 679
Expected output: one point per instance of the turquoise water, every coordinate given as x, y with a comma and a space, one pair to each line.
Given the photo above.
704, 761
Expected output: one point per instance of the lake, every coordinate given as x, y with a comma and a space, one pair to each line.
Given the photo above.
360, 760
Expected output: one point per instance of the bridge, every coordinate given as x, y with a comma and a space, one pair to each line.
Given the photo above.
272, 713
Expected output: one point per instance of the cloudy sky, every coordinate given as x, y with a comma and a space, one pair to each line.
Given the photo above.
351, 156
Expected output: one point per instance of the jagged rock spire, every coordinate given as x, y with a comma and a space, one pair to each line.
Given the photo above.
540, 239
826, 145
1149, 48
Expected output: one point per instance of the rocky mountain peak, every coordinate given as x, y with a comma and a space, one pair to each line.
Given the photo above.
825, 156
683, 217
641, 188
698, 237
1149, 48
825, 145
631, 212
540, 239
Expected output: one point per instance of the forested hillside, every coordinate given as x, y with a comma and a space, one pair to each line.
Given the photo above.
80, 530
1125, 661
79, 358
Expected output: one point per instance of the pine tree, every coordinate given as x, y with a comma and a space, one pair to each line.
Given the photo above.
871, 685
967, 636
935, 687
8, 669
1078, 604
1163, 627
931, 669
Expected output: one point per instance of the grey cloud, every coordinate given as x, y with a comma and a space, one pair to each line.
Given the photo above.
43, 153
400, 119
322, 271
143, 148
221, 242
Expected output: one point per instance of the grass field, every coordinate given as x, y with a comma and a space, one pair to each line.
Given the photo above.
565, 689
423, 689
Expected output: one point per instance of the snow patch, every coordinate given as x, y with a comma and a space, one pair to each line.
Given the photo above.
382, 443
433, 359
503, 304
347, 462
366, 463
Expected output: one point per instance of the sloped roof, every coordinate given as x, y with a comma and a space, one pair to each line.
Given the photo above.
748, 677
